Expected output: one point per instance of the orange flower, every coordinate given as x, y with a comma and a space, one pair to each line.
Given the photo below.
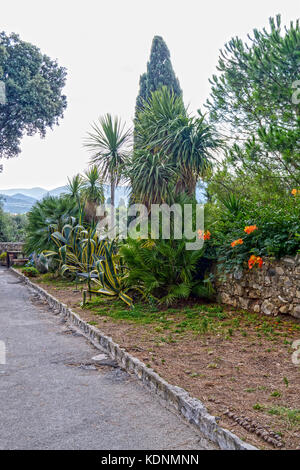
204, 235
250, 228
295, 192
259, 261
255, 260
251, 261
239, 241
207, 235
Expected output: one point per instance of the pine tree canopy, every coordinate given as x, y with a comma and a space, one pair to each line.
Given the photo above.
255, 101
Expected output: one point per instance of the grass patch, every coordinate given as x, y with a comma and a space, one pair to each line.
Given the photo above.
291, 416
200, 319
56, 281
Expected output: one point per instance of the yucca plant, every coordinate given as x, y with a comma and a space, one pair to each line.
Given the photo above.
187, 143
152, 178
108, 144
231, 202
92, 193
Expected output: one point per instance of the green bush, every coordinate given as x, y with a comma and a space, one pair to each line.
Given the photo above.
163, 270
277, 234
30, 271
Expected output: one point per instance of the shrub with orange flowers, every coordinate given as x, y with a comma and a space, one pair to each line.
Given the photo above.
239, 241
250, 228
204, 235
253, 260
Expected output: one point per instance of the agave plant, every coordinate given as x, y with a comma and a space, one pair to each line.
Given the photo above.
83, 253
111, 277
78, 249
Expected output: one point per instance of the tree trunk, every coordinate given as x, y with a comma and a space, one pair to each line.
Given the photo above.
112, 190
186, 183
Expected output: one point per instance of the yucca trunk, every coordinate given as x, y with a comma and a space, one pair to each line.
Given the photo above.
112, 190
186, 182
90, 211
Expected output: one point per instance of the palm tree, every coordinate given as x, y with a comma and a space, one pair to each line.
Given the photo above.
48, 215
190, 141
152, 178
74, 186
92, 193
108, 143
187, 142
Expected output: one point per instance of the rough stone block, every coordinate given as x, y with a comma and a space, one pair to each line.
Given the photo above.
284, 309
296, 311
267, 307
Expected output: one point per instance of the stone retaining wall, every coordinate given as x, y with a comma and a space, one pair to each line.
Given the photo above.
10, 246
271, 290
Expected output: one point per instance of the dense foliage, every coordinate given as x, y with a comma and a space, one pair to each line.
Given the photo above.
47, 215
12, 227
163, 270
277, 232
252, 102
33, 91
258, 180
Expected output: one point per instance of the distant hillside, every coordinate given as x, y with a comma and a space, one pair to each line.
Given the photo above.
36, 193
20, 201
57, 191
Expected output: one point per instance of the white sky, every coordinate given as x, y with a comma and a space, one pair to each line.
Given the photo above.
105, 46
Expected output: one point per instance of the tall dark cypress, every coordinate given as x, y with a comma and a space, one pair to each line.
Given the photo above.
159, 72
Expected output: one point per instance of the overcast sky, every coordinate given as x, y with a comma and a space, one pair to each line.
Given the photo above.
105, 46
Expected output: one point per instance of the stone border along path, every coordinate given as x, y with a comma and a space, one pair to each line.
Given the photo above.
179, 399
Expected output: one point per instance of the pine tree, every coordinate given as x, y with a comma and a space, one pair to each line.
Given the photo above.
254, 99
159, 72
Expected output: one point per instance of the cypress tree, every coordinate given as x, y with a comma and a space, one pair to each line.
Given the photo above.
159, 72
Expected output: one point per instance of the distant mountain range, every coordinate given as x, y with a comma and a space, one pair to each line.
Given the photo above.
20, 201
36, 193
